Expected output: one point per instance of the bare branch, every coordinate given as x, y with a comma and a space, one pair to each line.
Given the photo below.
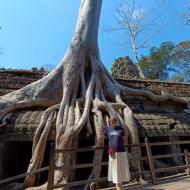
133, 20
144, 42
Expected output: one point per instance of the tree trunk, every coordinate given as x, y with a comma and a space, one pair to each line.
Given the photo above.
141, 74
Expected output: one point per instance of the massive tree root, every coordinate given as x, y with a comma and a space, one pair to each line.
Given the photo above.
78, 87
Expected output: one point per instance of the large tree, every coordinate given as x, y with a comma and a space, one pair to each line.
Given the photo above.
137, 25
182, 63
79, 86
157, 64
170, 61
186, 15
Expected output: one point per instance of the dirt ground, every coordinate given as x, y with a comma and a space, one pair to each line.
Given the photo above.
177, 183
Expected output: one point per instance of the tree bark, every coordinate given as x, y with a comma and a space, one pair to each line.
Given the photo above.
141, 73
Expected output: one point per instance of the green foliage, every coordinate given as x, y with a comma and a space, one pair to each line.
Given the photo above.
155, 65
183, 51
168, 62
182, 55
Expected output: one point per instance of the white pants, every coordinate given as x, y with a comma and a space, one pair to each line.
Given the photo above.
118, 168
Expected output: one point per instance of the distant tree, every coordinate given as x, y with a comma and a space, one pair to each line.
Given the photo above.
168, 62
186, 15
124, 67
155, 64
132, 20
48, 67
183, 51
182, 54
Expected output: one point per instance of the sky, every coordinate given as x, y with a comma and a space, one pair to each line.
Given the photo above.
37, 33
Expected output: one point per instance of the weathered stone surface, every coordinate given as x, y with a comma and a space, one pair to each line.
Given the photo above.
11, 80
124, 67
153, 119
154, 124
163, 124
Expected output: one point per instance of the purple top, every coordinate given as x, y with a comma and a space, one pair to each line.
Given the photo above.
115, 136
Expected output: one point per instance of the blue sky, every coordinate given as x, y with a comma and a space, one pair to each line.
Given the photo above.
36, 33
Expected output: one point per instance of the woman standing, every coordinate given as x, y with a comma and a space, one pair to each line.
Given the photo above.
118, 167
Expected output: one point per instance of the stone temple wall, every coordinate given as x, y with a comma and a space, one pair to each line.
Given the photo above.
153, 119
11, 80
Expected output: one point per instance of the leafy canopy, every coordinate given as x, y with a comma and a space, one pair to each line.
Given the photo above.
170, 61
